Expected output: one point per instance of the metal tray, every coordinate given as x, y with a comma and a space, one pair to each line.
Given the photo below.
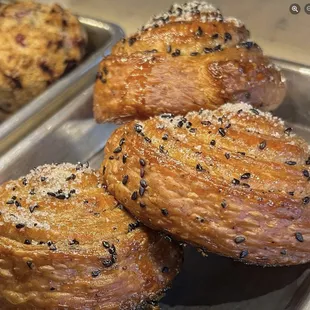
101, 37
211, 282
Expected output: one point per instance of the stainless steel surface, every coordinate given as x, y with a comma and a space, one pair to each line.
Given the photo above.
102, 36
212, 282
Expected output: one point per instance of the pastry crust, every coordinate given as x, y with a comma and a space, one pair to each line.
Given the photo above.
233, 181
182, 62
66, 243
30, 58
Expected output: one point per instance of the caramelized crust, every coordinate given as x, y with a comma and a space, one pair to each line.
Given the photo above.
232, 181
65, 243
194, 57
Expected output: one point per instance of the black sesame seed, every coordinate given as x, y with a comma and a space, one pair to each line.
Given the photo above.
217, 48
120, 206
165, 270
227, 36
180, 124
95, 273
125, 179
32, 192
133, 226
20, 226
10, 202
213, 142
207, 50
74, 242
308, 161
169, 49
262, 145
30, 264
71, 177
194, 53
239, 239
227, 155
24, 181
52, 289
288, 131
14, 197
223, 204
193, 130
291, 163
51, 194
17, 204
142, 172
222, 132
199, 32
245, 185
165, 137
167, 115
138, 128
164, 212
306, 200
142, 162
143, 183
306, 173
53, 247
299, 237
244, 254
189, 125
176, 53
72, 191
246, 176
247, 44
142, 205
28, 242
33, 207
161, 149
131, 41
147, 139
125, 156
291, 193
199, 167
112, 250
134, 195
141, 191
206, 123
117, 150
121, 141
254, 111
43, 179
215, 36
283, 252
106, 244
235, 182
61, 196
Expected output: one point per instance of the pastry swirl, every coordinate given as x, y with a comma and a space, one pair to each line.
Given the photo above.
66, 243
186, 59
233, 181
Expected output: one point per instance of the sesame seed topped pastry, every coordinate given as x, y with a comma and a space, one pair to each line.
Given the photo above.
233, 181
188, 58
39, 44
65, 243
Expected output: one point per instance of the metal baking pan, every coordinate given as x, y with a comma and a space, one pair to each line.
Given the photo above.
212, 282
101, 37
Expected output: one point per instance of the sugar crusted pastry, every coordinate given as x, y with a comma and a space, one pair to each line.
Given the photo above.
39, 43
233, 181
186, 59
66, 243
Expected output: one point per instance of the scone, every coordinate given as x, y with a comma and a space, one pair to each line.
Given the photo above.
233, 181
188, 58
39, 43
65, 243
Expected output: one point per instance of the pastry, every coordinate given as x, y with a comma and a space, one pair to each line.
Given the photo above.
39, 44
186, 59
233, 181
65, 243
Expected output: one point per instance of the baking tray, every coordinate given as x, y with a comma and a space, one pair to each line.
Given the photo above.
212, 282
101, 37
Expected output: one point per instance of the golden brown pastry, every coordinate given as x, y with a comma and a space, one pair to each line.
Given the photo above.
65, 243
39, 43
186, 59
233, 181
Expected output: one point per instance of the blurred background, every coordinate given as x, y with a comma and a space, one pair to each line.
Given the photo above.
280, 33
